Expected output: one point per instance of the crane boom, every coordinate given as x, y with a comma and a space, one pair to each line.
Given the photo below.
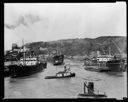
117, 47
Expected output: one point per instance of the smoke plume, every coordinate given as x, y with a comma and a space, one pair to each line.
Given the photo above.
25, 20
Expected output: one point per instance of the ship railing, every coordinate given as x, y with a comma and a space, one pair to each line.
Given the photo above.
97, 91
29, 61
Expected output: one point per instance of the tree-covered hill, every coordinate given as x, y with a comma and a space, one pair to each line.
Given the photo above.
72, 47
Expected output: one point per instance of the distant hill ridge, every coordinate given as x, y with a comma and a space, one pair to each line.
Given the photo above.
84, 46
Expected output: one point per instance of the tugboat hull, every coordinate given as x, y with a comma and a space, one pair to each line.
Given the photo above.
20, 70
55, 77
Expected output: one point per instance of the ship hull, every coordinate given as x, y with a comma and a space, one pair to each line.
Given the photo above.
6, 72
58, 63
97, 69
116, 66
110, 66
91, 96
20, 70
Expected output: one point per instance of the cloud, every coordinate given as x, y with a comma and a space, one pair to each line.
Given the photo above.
25, 20
32, 18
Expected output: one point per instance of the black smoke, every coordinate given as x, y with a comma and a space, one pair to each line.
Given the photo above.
25, 20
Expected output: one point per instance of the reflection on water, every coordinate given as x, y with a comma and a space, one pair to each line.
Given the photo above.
35, 86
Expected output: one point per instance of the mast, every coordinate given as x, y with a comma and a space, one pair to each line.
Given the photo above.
23, 52
109, 50
60, 47
57, 50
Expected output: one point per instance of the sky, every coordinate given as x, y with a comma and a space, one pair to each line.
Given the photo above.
35, 22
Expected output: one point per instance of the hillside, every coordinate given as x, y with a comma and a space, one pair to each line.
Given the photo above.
86, 46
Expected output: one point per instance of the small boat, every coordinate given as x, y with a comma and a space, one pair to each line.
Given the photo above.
58, 59
62, 74
90, 93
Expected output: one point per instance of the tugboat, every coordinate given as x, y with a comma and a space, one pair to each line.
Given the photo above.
27, 65
90, 93
62, 74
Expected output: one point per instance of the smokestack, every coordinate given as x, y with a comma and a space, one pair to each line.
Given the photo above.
98, 53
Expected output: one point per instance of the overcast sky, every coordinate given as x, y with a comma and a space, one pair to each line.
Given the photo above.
53, 21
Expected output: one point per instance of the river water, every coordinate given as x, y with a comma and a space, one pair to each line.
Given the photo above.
35, 86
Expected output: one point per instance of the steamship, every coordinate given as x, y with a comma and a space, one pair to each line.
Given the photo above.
26, 64
106, 63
